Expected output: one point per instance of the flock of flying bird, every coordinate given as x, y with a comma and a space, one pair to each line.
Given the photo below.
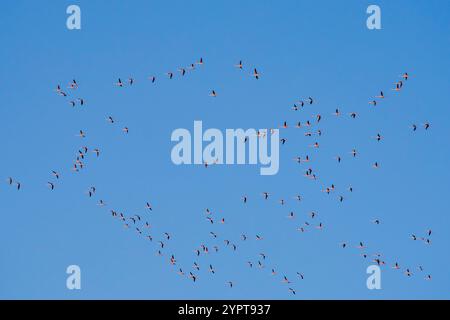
141, 225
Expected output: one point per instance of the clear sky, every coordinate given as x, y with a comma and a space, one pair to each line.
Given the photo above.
321, 49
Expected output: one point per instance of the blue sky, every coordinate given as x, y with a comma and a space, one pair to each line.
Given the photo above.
301, 48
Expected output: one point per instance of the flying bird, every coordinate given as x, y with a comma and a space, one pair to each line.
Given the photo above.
119, 83
255, 73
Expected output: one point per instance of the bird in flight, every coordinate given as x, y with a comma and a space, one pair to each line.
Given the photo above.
192, 276
96, 151
285, 280
378, 137
255, 73
81, 134
73, 85
398, 86
381, 95
119, 83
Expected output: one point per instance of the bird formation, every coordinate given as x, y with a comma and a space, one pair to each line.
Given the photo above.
12, 182
219, 238
72, 86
